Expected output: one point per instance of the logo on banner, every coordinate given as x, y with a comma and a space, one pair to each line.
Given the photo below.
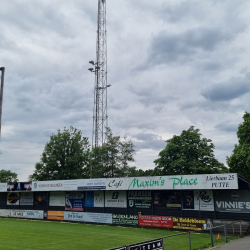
115, 183
35, 185
131, 203
235, 196
115, 195
203, 195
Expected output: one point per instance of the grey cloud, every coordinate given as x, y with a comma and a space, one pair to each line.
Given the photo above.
153, 95
227, 126
169, 47
149, 141
226, 91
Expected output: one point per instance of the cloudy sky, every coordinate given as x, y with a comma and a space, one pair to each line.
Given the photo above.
172, 64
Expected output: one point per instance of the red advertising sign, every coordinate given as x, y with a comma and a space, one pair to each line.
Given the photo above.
155, 221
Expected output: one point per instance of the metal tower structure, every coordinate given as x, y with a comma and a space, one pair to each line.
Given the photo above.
2, 69
100, 116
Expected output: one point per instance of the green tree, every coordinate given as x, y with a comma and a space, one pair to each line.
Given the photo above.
112, 158
239, 161
188, 153
65, 156
8, 176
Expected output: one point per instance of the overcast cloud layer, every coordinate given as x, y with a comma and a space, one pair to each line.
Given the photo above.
172, 64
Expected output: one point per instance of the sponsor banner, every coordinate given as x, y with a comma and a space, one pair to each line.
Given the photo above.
169, 199
192, 223
94, 199
5, 213
74, 201
91, 184
98, 218
88, 217
191, 182
40, 198
26, 198
19, 186
156, 244
34, 214
232, 201
198, 200
61, 185
57, 199
3, 187
28, 214
73, 216
125, 219
155, 221
13, 198
55, 215
140, 199
115, 199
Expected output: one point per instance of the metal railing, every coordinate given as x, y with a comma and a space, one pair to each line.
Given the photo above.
208, 231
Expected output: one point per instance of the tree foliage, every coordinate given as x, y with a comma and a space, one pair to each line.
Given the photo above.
112, 158
239, 161
65, 156
8, 176
188, 153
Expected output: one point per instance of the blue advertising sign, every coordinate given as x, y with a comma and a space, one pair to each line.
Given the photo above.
74, 201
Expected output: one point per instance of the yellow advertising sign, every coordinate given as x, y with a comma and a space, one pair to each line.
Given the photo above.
190, 223
55, 215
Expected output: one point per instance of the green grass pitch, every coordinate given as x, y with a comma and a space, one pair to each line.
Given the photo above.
29, 235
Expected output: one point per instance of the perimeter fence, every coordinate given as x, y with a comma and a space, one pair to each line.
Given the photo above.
191, 240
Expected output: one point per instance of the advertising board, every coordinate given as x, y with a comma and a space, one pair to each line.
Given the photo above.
3, 187
19, 186
13, 199
26, 198
74, 201
156, 221
5, 213
191, 223
156, 244
170, 199
125, 219
181, 182
40, 198
55, 215
94, 199
88, 217
198, 200
140, 199
27, 214
91, 184
60, 185
237, 201
57, 199
115, 199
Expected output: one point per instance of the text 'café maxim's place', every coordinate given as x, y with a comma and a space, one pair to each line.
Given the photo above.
185, 201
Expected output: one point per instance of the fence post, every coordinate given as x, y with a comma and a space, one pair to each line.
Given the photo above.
211, 236
190, 242
240, 230
225, 232
233, 227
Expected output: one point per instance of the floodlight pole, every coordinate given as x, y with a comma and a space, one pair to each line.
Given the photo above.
100, 115
2, 69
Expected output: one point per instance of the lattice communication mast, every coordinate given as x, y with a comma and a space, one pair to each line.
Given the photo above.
100, 116
2, 69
